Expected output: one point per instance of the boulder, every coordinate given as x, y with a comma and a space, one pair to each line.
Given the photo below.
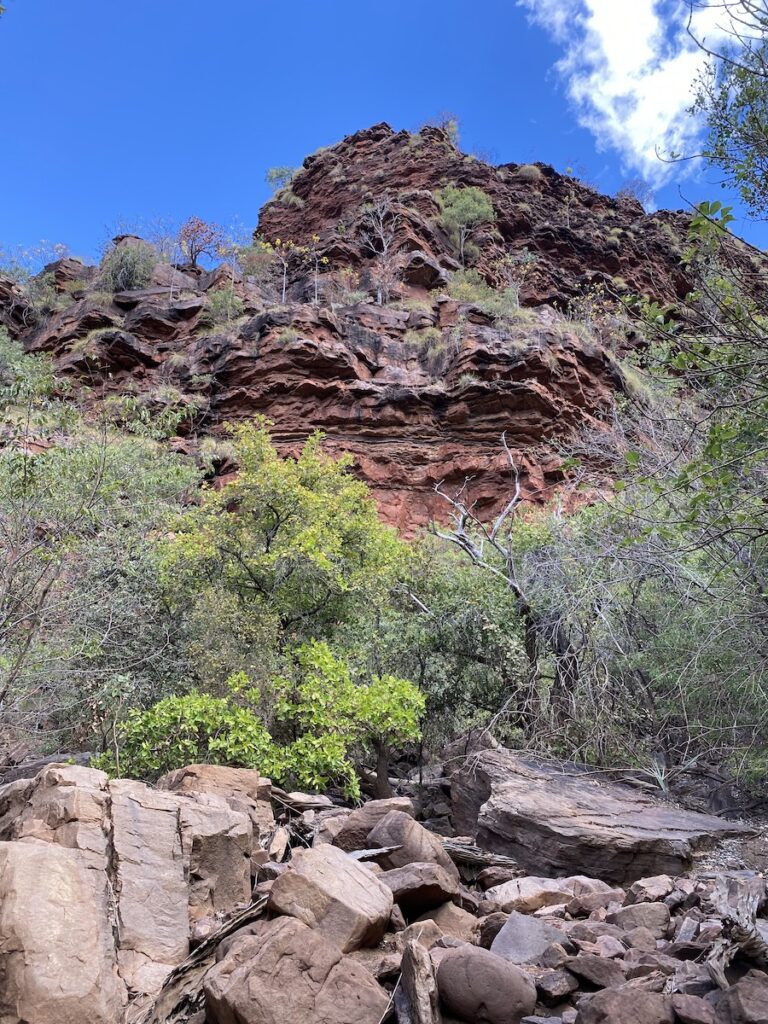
216, 846
746, 1002
355, 829
419, 887
57, 960
286, 973
650, 890
554, 987
522, 939
149, 877
652, 916
453, 921
557, 818
476, 985
597, 970
692, 1009
412, 841
530, 893
625, 1005
334, 894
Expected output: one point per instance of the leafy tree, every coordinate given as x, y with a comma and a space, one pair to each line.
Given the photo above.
462, 211
733, 95
198, 238
332, 714
295, 543
78, 576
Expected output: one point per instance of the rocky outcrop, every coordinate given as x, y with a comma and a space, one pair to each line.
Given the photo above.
577, 234
139, 865
57, 958
419, 390
559, 818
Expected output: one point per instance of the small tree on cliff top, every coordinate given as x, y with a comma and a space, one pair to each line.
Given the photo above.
464, 209
200, 238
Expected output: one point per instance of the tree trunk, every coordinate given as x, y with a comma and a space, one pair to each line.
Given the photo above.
383, 788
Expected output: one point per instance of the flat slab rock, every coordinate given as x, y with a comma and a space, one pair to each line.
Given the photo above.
560, 820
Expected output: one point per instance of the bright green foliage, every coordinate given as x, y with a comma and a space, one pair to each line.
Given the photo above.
128, 266
463, 210
188, 729
320, 717
332, 714
296, 543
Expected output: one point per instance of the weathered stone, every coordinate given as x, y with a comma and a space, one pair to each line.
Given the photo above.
149, 876
650, 890
555, 986
414, 843
419, 985
419, 887
63, 804
454, 921
625, 1006
490, 877
692, 1010
476, 985
216, 844
641, 938
653, 916
560, 821
287, 973
530, 893
334, 894
243, 789
489, 927
355, 829
597, 970
522, 940
427, 932
746, 1002
57, 960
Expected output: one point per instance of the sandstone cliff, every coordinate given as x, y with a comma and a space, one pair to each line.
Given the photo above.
418, 389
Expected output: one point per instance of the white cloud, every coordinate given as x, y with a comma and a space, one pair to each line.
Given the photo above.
629, 68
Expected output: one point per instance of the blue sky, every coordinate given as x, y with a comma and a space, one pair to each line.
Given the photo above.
121, 112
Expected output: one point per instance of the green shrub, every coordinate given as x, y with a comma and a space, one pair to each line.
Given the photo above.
128, 266
529, 172
188, 729
320, 715
469, 286
466, 379
224, 306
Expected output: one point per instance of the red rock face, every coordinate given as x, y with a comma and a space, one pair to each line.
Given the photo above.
578, 235
418, 390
